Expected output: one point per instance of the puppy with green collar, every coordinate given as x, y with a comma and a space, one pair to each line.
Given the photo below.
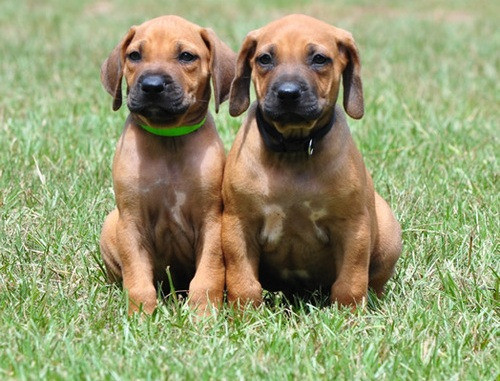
168, 164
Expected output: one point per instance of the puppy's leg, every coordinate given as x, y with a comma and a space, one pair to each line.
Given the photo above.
109, 250
242, 264
388, 248
351, 284
136, 266
207, 285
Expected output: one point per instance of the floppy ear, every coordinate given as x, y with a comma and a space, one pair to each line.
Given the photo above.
239, 97
222, 65
351, 78
112, 70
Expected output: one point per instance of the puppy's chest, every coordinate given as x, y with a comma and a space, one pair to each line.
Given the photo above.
296, 244
168, 212
294, 226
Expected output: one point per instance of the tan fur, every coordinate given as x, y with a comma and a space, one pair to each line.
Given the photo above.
297, 223
168, 189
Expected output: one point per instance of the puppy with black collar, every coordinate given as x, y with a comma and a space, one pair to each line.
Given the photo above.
300, 210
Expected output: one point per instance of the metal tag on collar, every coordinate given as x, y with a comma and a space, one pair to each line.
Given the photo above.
310, 148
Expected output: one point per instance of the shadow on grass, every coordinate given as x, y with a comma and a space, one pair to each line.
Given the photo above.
274, 301
310, 301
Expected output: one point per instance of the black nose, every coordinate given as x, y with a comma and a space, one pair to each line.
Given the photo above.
153, 84
288, 91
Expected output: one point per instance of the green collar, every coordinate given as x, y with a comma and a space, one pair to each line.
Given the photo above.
174, 131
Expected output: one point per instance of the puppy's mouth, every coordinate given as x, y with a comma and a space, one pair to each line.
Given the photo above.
295, 116
159, 111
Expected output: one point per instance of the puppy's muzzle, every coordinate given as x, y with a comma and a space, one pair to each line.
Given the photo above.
288, 92
154, 83
158, 97
291, 100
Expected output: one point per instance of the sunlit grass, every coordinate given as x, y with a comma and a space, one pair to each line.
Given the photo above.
429, 138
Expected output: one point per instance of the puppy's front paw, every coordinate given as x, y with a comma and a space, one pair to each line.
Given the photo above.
142, 300
349, 294
204, 301
246, 293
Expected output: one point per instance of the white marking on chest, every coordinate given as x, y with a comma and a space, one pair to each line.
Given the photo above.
264, 183
316, 214
273, 224
180, 199
152, 187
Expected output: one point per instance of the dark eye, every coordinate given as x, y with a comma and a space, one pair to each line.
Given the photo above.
135, 56
265, 59
187, 57
320, 59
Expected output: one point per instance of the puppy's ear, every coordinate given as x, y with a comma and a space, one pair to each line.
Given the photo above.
112, 69
351, 78
239, 97
222, 65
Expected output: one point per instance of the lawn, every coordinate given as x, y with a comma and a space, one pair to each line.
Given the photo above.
429, 137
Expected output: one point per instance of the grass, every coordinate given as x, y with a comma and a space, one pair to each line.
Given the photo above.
429, 137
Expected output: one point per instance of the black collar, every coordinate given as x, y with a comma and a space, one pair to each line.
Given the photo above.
276, 142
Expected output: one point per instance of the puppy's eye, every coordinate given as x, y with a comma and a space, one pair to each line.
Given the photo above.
135, 56
265, 59
320, 59
187, 57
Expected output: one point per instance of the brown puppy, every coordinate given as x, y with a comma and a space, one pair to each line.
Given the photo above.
300, 211
167, 188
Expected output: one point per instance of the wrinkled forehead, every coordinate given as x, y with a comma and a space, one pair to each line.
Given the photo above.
169, 34
297, 36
